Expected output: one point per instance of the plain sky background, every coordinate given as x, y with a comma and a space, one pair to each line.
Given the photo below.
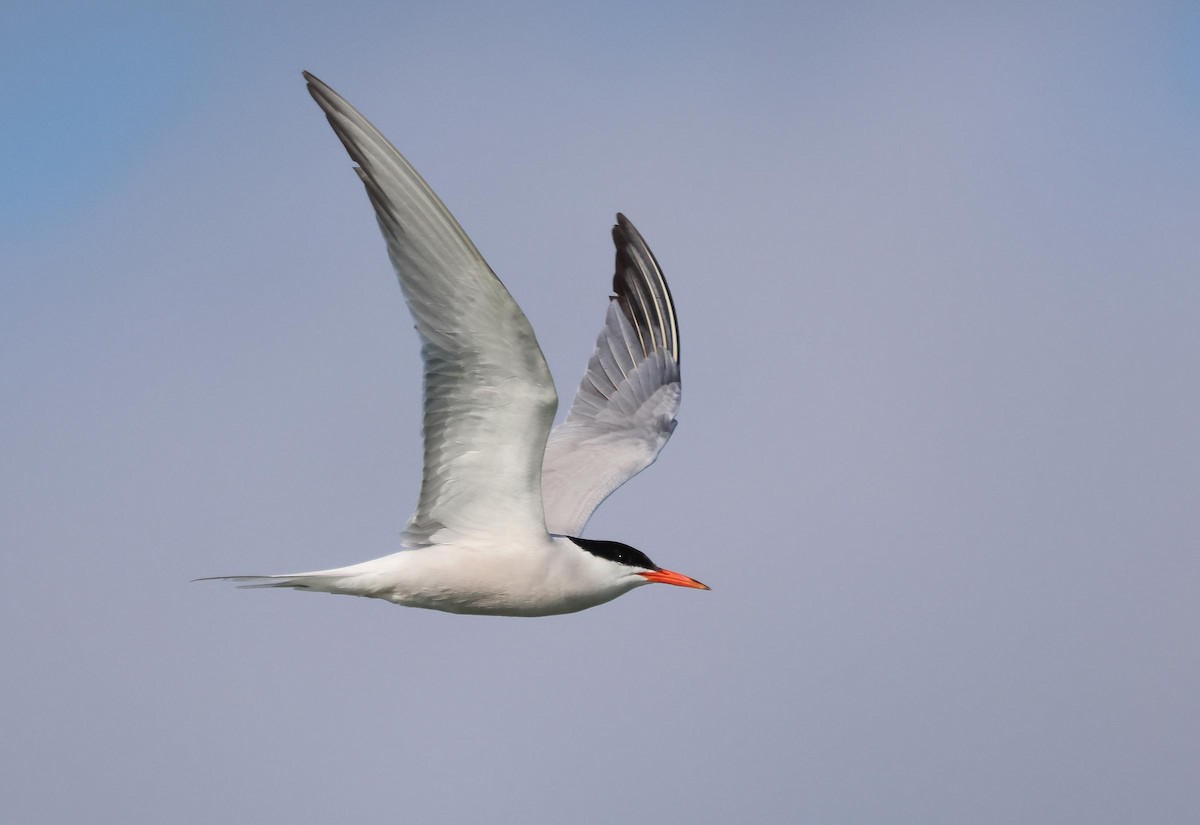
938, 273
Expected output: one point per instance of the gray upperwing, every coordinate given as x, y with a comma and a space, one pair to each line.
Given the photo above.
489, 398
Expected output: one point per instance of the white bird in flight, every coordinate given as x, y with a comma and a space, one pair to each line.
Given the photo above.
503, 497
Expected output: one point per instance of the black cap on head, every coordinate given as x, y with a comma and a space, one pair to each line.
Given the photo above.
615, 551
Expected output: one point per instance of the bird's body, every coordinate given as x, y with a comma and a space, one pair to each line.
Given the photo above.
502, 494
543, 577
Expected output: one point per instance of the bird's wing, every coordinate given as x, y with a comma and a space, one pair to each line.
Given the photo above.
489, 398
624, 410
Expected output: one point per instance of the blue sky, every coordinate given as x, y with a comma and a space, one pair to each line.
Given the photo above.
937, 279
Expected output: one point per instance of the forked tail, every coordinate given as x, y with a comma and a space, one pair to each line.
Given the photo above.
322, 582
374, 579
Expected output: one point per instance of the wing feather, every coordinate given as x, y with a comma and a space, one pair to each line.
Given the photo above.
489, 398
624, 410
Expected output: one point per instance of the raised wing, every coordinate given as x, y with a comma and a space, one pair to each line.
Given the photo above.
624, 410
489, 398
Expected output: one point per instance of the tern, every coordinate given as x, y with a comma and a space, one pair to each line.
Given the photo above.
503, 496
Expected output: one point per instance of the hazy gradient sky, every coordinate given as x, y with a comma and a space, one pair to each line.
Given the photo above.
938, 274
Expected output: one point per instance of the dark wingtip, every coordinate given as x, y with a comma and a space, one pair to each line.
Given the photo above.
641, 289
312, 81
624, 230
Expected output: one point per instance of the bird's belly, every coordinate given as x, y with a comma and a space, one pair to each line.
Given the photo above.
489, 583
499, 604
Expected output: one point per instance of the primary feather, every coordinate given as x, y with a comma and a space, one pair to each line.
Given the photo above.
489, 397
624, 410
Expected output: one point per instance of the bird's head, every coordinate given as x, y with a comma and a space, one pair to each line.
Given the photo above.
633, 565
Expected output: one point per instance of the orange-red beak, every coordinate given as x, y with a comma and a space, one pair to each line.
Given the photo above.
670, 577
